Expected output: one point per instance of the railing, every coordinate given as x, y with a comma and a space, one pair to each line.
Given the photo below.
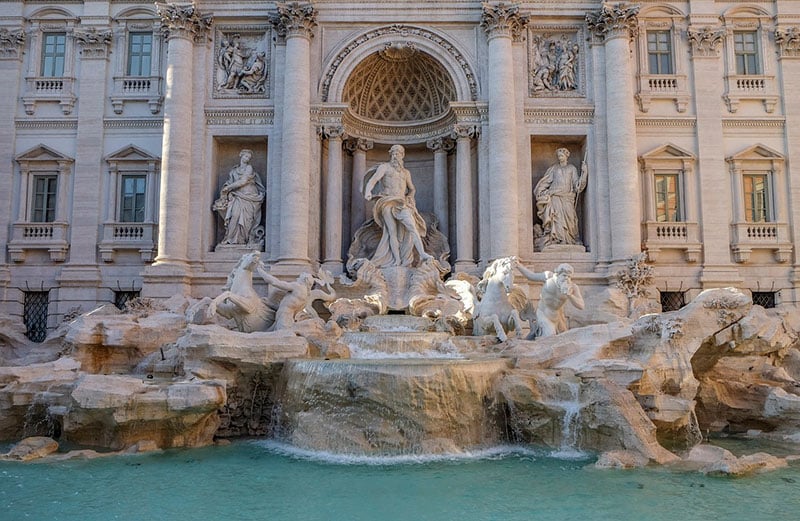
751, 87
671, 232
136, 88
38, 232
128, 236
49, 87
662, 84
662, 87
748, 84
769, 232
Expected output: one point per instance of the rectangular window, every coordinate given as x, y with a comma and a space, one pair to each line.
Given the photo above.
659, 52
668, 201
45, 188
140, 48
745, 48
53, 54
765, 299
34, 314
132, 198
121, 298
672, 300
756, 198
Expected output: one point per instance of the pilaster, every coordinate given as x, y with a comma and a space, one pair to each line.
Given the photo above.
12, 42
332, 234
358, 213
441, 147
465, 224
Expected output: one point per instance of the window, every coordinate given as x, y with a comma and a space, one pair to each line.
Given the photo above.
54, 49
765, 299
756, 198
667, 196
140, 50
132, 198
45, 188
122, 298
659, 52
745, 49
672, 300
34, 315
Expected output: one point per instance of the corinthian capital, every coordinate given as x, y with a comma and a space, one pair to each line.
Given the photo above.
613, 20
11, 43
183, 20
94, 44
705, 41
503, 20
788, 40
295, 19
464, 131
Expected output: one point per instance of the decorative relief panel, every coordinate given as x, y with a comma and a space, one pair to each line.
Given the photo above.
241, 62
11, 43
555, 63
788, 40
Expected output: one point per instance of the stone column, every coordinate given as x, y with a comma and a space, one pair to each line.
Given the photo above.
503, 24
714, 180
616, 25
358, 213
441, 147
465, 256
296, 22
333, 200
183, 24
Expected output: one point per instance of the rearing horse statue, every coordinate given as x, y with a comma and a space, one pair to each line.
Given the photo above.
240, 302
496, 310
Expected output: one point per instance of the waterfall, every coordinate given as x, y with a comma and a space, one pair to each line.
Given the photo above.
570, 426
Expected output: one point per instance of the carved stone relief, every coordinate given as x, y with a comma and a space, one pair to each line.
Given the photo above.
11, 43
706, 41
94, 44
788, 40
554, 64
241, 61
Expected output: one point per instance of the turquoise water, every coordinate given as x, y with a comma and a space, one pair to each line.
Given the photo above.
264, 481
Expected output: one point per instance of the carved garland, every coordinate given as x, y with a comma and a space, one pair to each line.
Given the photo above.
183, 20
614, 20
403, 31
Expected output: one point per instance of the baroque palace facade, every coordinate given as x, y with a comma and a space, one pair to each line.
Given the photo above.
128, 131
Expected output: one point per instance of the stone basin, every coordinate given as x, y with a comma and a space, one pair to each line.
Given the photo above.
394, 406
391, 342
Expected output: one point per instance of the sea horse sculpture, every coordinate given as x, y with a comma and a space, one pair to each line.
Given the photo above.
499, 305
240, 302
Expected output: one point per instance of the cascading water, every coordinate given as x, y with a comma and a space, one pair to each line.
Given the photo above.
570, 427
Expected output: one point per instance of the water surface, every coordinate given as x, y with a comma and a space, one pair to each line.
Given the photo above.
266, 481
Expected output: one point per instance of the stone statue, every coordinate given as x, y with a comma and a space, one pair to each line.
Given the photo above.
567, 65
364, 295
553, 65
239, 204
556, 201
239, 301
395, 212
557, 290
231, 59
299, 296
499, 305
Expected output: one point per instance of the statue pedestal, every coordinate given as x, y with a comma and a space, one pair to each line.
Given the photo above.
564, 248
398, 279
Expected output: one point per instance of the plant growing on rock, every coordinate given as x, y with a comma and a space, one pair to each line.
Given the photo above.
635, 280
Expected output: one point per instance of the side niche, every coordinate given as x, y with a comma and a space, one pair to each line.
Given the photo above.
238, 193
556, 64
242, 61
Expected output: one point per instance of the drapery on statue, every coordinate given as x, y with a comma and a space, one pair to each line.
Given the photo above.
395, 212
239, 204
557, 290
556, 200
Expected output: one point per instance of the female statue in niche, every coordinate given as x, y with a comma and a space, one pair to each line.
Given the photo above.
556, 200
239, 204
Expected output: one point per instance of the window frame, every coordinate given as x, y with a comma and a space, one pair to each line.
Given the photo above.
676, 209
753, 214
139, 206
755, 54
659, 54
53, 71
147, 86
662, 86
44, 203
131, 53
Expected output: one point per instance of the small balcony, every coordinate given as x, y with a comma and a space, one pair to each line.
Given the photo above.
49, 89
128, 236
671, 87
751, 87
773, 236
39, 236
137, 88
683, 236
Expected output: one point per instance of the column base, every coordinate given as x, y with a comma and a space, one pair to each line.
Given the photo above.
466, 266
335, 267
162, 281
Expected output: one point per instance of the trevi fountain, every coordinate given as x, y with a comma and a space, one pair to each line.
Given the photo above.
405, 374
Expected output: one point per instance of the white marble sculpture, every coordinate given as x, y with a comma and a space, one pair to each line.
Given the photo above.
554, 63
498, 307
557, 290
239, 301
364, 295
395, 212
239, 204
556, 201
299, 296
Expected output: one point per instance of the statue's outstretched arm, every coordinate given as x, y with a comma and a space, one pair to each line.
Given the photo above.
531, 275
576, 297
273, 281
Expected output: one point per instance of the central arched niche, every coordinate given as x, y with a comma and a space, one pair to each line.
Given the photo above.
397, 84
399, 94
